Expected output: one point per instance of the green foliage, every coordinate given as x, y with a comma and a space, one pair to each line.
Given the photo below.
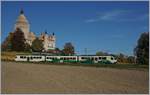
27, 47
100, 53
68, 49
18, 41
7, 44
142, 49
131, 59
37, 45
121, 58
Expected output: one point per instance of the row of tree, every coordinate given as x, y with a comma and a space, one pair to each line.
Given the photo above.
16, 42
121, 58
141, 51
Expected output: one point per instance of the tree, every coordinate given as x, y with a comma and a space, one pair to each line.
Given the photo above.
7, 44
141, 51
37, 45
100, 53
131, 59
58, 51
121, 58
27, 47
68, 49
18, 41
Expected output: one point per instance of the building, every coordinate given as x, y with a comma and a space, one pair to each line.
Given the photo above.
23, 24
48, 41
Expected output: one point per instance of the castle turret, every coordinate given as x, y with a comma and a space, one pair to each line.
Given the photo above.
23, 24
48, 41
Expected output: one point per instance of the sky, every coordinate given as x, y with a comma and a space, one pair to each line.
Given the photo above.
112, 26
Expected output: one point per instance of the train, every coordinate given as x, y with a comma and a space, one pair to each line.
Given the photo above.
67, 59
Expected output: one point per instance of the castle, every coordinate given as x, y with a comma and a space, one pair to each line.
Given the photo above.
23, 24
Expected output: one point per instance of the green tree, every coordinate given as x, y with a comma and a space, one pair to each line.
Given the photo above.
68, 49
37, 45
141, 51
122, 58
131, 59
27, 47
100, 53
18, 41
7, 44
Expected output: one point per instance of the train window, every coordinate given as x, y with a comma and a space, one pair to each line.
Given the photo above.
104, 58
100, 58
21, 56
40, 57
82, 57
96, 59
112, 58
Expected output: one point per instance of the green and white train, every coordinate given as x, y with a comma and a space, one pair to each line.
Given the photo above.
67, 59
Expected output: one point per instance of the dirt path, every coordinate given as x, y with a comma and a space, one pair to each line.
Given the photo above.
38, 78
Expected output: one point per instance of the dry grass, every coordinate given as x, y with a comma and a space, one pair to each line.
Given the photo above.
8, 56
39, 78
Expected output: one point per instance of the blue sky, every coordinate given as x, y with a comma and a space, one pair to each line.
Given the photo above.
111, 26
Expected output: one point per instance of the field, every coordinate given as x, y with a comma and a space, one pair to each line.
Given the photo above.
42, 79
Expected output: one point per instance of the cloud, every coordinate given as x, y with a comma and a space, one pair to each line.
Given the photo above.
118, 15
109, 15
91, 20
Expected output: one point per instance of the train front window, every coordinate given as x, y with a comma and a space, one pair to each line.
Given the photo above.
112, 58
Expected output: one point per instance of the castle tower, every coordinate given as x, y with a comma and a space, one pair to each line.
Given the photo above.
51, 42
23, 24
48, 41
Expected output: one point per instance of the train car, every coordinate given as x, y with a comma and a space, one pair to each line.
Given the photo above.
21, 58
97, 59
31, 58
61, 59
36, 58
67, 59
53, 59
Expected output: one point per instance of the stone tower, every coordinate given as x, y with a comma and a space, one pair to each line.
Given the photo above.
48, 41
24, 25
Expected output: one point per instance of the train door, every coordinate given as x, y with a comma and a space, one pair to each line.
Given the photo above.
28, 58
96, 60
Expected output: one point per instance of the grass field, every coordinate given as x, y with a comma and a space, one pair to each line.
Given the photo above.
42, 79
